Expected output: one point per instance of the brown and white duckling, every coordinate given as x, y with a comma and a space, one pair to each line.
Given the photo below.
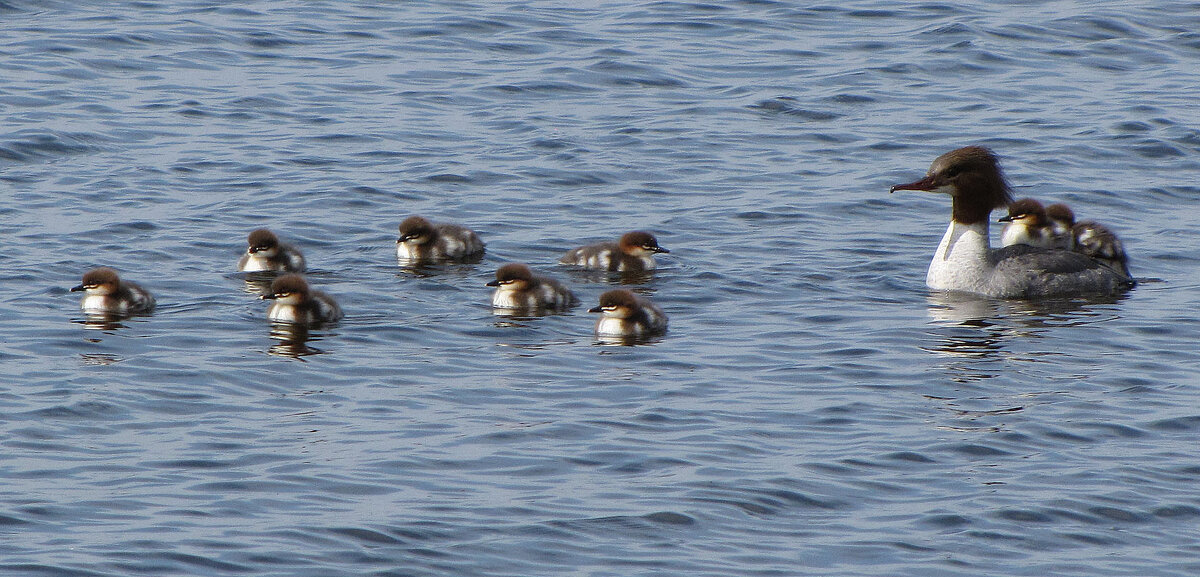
1097, 241
264, 252
1062, 220
633, 252
626, 315
423, 241
105, 293
518, 288
296, 303
1028, 223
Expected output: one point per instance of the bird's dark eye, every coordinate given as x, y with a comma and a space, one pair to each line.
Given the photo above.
952, 171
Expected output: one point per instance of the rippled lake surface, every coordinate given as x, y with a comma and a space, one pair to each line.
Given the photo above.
813, 410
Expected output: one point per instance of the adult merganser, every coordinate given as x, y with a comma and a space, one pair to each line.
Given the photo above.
965, 260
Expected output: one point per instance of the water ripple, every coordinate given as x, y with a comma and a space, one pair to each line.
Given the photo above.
813, 409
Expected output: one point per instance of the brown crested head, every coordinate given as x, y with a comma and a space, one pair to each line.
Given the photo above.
615, 299
512, 272
1026, 208
289, 284
1062, 213
640, 239
414, 227
971, 175
100, 276
262, 239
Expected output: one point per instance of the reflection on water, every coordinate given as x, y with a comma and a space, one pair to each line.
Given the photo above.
630, 341
514, 316
426, 269
961, 308
808, 399
100, 359
293, 340
973, 310
258, 283
97, 321
981, 330
585, 276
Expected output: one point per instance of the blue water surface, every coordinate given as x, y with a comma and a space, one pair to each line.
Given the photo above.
813, 409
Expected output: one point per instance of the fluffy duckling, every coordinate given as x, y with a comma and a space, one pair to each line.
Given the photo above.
1028, 223
1062, 220
421, 240
633, 252
106, 293
1102, 244
296, 303
626, 315
518, 288
264, 252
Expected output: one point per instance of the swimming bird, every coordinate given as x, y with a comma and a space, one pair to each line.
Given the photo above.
1097, 241
633, 252
296, 303
519, 289
264, 252
1089, 237
626, 315
1028, 223
1062, 220
105, 293
965, 261
423, 241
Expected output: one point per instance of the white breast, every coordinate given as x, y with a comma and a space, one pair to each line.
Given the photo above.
1018, 233
407, 251
509, 299
961, 261
614, 327
101, 304
285, 313
253, 263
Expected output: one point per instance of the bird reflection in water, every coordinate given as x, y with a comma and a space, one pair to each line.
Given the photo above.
258, 283
292, 340
102, 321
456, 268
627, 341
634, 278
980, 328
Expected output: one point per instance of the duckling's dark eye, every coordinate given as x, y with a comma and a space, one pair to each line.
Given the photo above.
953, 171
